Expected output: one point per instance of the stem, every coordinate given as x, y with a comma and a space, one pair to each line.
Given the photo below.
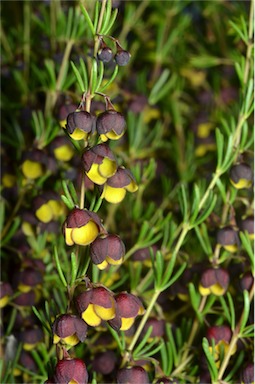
11, 217
192, 336
144, 319
233, 343
250, 45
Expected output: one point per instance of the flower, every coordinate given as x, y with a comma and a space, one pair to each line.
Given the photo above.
116, 186
70, 371
34, 163
61, 148
215, 281
95, 305
241, 176
80, 124
99, 163
122, 56
128, 308
69, 329
247, 224
135, 374
110, 125
219, 338
30, 337
81, 227
5, 293
228, 238
247, 374
48, 207
64, 111
107, 250
104, 362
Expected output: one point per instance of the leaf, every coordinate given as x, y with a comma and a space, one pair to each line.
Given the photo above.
88, 19
246, 311
59, 268
211, 363
78, 77
109, 82
111, 21
143, 341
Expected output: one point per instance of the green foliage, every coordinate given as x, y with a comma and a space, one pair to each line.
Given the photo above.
187, 96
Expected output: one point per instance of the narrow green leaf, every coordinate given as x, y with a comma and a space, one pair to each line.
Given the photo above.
67, 202
207, 211
231, 311
246, 310
219, 146
42, 320
111, 21
107, 16
143, 341
12, 230
100, 75
69, 22
88, 19
78, 77
167, 283
39, 362
212, 365
84, 74
67, 193
60, 272
74, 268
94, 75
109, 82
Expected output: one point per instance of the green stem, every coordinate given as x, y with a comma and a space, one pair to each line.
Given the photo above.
232, 344
143, 321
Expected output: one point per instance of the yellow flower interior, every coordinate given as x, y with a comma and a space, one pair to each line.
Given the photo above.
32, 169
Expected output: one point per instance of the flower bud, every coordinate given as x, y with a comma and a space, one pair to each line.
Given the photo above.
246, 281
132, 375
27, 299
99, 163
81, 227
104, 362
28, 279
158, 328
247, 224
221, 335
5, 293
69, 329
107, 250
122, 56
241, 176
104, 53
228, 238
80, 124
247, 374
30, 337
128, 308
70, 371
110, 125
64, 111
214, 281
61, 148
95, 305
116, 186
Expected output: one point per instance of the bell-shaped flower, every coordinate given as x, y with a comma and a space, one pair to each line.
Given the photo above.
80, 124
110, 125
81, 227
96, 304
128, 308
69, 371
214, 281
5, 293
30, 337
219, 337
61, 148
69, 329
34, 163
64, 111
135, 374
99, 163
106, 250
115, 188
48, 207
228, 238
241, 176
